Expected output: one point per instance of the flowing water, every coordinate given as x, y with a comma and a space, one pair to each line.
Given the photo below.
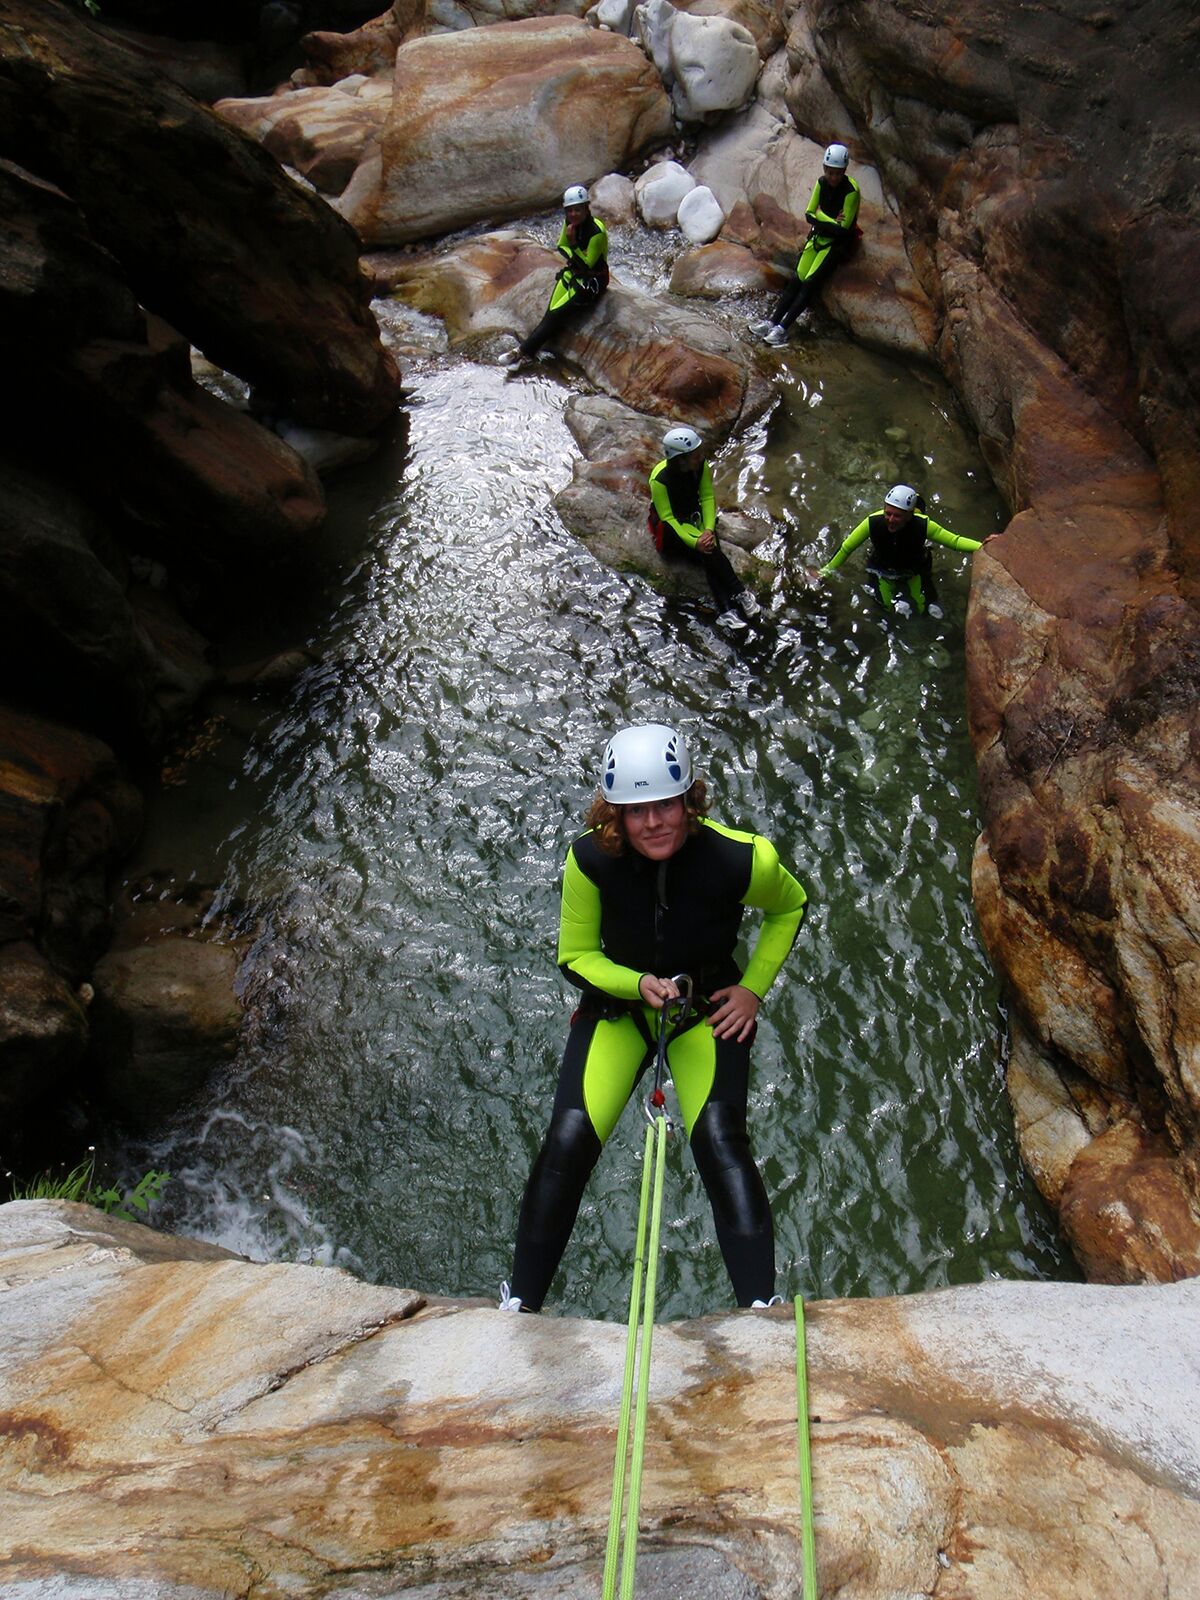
399, 826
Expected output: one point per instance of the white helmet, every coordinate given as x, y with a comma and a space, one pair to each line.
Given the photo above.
902, 497
837, 156
576, 195
680, 440
647, 762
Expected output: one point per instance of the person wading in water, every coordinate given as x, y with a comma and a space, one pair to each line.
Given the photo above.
901, 561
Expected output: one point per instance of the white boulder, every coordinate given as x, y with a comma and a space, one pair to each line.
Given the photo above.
615, 15
653, 22
709, 63
714, 65
614, 198
659, 191
700, 216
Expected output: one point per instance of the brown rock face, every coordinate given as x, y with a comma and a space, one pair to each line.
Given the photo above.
144, 440
663, 360
370, 49
210, 234
43, 1029
1046, 160
65, 817
485, 122
322, 133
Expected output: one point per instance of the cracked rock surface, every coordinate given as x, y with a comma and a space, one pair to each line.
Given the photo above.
178, 1422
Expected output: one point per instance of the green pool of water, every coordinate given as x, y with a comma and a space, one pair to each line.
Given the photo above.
399, 828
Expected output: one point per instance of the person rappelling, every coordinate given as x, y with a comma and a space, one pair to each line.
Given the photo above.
832, 218
653, 889
580, 283
683, 523
901, 561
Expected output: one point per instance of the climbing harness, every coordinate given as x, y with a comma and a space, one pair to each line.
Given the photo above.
802, 1445
622, 1528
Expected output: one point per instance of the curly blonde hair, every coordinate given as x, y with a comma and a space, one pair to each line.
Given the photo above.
607, 823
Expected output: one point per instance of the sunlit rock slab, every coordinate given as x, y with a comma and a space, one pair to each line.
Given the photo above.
322, 133
662, 359
175, 1421
485, 122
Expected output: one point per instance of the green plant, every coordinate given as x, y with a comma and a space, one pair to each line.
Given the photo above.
80, 1184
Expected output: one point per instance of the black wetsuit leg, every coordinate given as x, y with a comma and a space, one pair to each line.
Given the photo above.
555, 321
723, 581
559, 1176
741, 1210
790, 303
798, 296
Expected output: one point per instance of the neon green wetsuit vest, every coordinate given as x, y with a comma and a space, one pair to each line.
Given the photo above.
688, 522
586, 271
904, 551
824, 209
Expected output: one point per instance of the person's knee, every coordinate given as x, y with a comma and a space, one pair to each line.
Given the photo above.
564, 1163
571, 1143
721, 1146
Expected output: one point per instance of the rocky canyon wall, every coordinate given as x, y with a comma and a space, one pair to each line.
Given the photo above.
135, 503
1045, 163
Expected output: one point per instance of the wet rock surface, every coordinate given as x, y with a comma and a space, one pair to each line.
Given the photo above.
659, 358
66, 816
179, 1418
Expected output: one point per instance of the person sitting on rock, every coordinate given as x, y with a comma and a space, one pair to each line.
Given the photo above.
901, 561
833, 228
683, 521
584, 278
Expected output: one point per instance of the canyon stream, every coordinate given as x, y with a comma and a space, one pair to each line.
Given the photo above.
396, 831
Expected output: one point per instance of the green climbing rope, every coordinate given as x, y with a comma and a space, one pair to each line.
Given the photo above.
612, 1550
629, 1555
621, 1550
802, 1445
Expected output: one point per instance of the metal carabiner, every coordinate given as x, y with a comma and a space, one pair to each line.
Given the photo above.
675, 1009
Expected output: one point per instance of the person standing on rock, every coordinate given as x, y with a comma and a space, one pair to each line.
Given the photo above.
584, 278
652, 890
832, 217
901, 561
683, 522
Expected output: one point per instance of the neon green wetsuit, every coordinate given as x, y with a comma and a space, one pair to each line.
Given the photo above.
832, 216
683, 509
833, 225
579, 284
624, 916
900, 559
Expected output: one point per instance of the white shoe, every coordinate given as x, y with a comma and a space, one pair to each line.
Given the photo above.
511, 358
765, 1305
732, 618
935, 611
508, 1300
775, 335
760, 327
749, 603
